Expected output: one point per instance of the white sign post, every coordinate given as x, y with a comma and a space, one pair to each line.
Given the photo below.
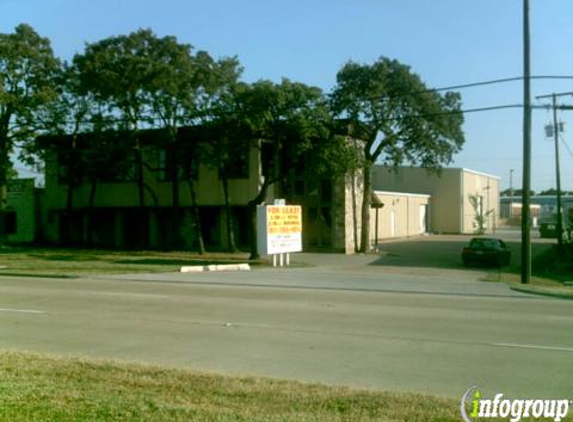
279, 231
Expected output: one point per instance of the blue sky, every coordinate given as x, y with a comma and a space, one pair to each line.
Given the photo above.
447, 42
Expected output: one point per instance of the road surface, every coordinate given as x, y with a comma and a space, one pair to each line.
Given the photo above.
360, 325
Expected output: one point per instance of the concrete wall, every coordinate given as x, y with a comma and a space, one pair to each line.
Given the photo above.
401, 216
21, 201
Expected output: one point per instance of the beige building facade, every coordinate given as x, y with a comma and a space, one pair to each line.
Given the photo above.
110, 214
398, 215
458, 198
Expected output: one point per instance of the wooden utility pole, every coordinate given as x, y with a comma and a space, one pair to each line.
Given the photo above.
559, 222
526, 189
558, 177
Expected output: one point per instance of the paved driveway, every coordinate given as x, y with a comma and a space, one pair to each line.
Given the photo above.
444, 251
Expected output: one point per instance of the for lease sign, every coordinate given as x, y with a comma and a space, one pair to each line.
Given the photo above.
279, 229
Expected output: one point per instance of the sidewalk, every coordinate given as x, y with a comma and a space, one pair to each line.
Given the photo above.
344, 273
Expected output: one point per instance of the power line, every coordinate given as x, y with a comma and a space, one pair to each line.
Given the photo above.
499, 81
566, 145
444, 113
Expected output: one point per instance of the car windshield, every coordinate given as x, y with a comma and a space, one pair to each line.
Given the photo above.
484, 244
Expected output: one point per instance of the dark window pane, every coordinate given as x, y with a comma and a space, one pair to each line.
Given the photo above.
326, 191
11, 220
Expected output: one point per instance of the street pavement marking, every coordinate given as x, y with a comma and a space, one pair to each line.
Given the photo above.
21, 311
534, 346
124, 294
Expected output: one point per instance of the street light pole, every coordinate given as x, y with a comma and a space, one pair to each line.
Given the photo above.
511, 182
526, 199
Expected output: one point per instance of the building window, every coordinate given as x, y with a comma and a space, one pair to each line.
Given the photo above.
325, 191
122, 171
11, 221
66, 166
299, 188
187, 165
238, 165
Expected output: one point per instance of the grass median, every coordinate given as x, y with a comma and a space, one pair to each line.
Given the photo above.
552, 274
49, 389
74, 262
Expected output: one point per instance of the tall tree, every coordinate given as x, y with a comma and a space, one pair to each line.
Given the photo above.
156, 82
73, 112
27, 84
183, 91
397, 119
282, 119
118, 71
83, 138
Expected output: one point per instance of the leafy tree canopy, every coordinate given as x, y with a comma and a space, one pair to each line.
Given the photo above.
397, 119
28, 72
396, 115
148, 78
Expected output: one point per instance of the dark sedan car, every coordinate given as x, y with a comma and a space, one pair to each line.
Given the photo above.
486, 250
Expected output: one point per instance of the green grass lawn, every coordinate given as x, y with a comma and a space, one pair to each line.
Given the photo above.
51, 389
549, 272
71, 262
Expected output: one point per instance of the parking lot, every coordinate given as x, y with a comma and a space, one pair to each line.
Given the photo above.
444, 251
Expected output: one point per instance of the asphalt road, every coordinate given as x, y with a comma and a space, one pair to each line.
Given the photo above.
353, 324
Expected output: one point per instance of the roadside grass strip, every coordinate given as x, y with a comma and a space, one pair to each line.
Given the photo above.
60, 262
46, 388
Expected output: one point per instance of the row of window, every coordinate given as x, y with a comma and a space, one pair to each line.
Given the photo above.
186, 166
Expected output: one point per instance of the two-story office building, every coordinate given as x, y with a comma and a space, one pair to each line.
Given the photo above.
132, 206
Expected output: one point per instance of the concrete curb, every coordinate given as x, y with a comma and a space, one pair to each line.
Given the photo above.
203, 268
546, 293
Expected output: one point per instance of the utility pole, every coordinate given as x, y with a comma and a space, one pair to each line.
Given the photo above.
526, 199
511, 182
557, 167
558, 178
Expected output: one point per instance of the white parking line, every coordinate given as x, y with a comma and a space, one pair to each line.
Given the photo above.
534, 346
21, 311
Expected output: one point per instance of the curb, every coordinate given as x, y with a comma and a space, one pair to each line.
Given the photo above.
542, 293
40, 275
204, 268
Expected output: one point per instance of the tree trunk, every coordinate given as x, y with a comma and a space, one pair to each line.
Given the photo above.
141, 188
90, 215
252, 210
70, 193
354, 210
229, 217
176, 217
365, 232
4, 164
196, 218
